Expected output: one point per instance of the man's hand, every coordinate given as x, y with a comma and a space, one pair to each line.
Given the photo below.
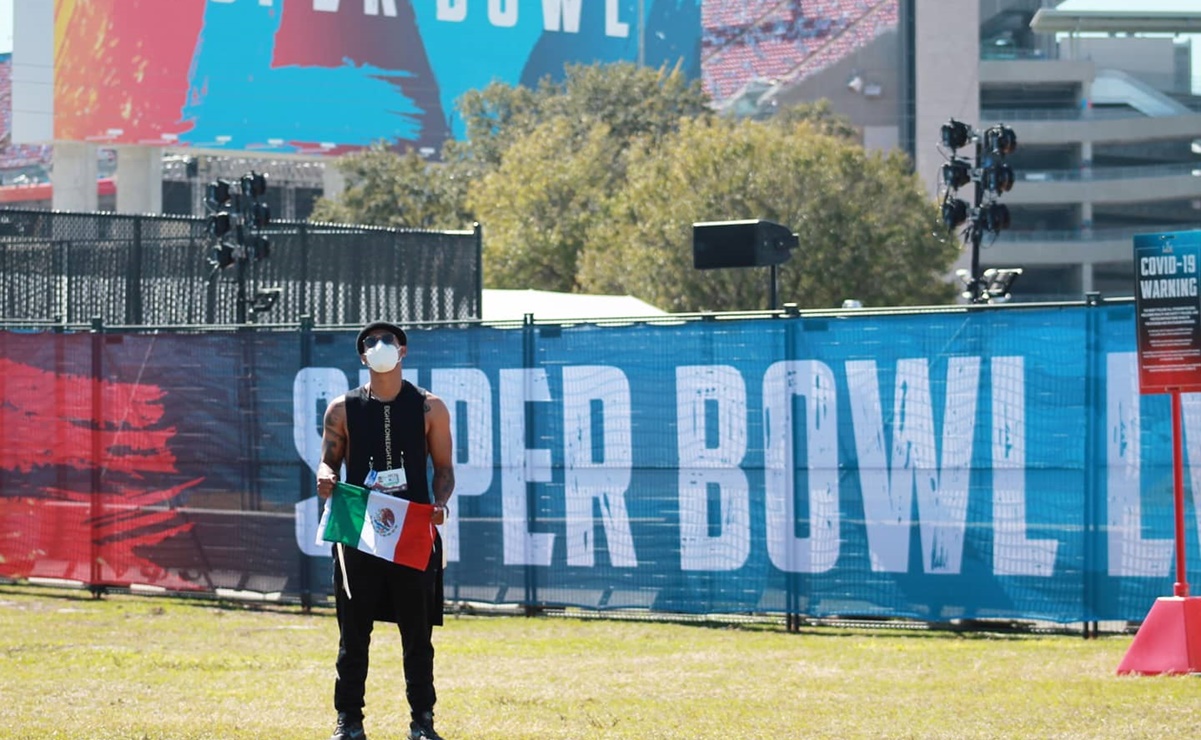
439, 515
325, 482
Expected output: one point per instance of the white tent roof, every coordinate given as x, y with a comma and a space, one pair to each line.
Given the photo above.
546, 305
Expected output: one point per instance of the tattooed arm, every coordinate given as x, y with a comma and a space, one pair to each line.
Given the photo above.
333, 447
438, 442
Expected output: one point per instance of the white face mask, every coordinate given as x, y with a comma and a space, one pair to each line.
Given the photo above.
382, 358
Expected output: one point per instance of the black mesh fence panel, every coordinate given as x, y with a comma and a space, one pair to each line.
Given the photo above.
159, 271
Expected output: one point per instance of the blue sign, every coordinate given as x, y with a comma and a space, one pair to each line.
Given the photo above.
1169, 311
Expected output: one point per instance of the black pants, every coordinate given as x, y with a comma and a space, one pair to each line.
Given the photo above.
384, 591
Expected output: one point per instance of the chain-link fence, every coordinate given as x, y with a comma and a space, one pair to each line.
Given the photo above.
157, 270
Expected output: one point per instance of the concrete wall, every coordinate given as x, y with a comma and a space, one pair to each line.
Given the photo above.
1152, 60
875, 105
948, 77
33, 72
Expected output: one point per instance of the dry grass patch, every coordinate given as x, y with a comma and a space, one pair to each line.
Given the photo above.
136, 667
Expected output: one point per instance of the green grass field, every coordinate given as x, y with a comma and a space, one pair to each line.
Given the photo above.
139, 667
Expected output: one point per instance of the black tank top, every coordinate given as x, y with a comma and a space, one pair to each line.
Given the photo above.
365, 434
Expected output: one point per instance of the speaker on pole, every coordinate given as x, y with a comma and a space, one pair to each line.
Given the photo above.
753, 243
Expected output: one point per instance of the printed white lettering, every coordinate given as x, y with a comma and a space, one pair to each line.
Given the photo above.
453, 11
606, 480
886, 517
1190, 412
372, 7
721, 390
312, 390
558, 16
813, 381
472, 453
502, 13
561, 15
521, 467
1157, 265
1129, 553
613, 25
1164, 288
1013, 553
888, 484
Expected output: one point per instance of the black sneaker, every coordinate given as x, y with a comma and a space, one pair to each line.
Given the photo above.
422, 728
348, 728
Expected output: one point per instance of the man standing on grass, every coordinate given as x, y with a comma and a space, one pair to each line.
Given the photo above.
384, 432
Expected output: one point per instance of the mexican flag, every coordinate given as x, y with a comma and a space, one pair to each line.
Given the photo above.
385, 526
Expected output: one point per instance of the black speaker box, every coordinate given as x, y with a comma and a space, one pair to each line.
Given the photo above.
717, 244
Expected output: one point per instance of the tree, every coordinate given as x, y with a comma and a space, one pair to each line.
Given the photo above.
867, 231
821, 115
631, 101
398, 191
404, 190
541, 203
551, 160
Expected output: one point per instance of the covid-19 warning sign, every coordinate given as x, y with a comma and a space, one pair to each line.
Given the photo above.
1168, 306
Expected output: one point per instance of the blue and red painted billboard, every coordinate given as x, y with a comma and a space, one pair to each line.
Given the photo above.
326, 76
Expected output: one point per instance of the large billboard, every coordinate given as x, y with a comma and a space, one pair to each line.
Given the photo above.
326, 76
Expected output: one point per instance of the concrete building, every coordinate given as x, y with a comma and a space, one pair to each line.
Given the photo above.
1102, 100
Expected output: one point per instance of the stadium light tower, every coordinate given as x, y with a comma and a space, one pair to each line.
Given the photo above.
993, 177
237, 216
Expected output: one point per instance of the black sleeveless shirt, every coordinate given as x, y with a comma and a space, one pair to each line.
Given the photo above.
366, 432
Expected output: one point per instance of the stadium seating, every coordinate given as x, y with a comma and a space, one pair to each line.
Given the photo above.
783, 40
21, 159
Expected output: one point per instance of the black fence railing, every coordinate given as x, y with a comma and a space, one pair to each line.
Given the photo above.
157, 270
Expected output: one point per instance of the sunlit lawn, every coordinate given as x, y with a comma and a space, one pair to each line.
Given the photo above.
140, 667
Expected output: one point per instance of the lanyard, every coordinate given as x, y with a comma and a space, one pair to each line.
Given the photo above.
387, 436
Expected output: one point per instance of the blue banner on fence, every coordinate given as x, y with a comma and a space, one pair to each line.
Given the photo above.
982, 464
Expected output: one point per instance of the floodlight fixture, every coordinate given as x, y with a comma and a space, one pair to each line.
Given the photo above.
219, 224
956, 134
264, 300
1000, 140
219, 194
997, 282
223, 255
994, 217
997, 178
258, 247
254, 184
954, 212
260, 214
957, 172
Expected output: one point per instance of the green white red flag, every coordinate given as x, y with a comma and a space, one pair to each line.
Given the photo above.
385, 526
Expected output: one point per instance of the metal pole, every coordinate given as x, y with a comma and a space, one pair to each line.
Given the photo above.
641, 33
531, 503
974, 287
241, 309
304, 486
1181, 586
97, 466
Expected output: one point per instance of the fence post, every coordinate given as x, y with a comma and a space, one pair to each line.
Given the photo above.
1094, 454
133, 289
792, 617
97, 450
479, 270
531, 501
304, 476
302, 300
